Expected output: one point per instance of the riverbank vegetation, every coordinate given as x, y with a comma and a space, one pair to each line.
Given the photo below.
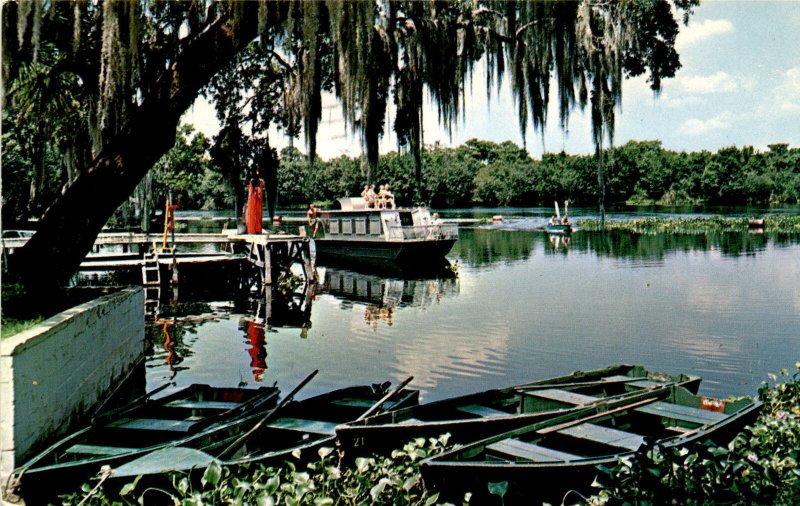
694, 225
760, 466
475, 173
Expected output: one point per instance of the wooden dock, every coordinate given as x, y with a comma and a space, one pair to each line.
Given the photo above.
270, 254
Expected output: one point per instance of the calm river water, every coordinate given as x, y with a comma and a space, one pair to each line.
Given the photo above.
523, 306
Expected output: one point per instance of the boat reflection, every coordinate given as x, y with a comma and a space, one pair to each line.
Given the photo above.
559, 243
383, 296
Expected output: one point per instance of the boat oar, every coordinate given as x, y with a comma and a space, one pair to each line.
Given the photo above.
238, 442
98, 414
579, 421
527, 388
385, 398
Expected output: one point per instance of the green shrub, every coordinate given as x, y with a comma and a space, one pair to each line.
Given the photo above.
393, 480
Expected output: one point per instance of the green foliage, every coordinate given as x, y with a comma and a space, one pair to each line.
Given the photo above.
695, 225
760, 466
484, 172
394, 480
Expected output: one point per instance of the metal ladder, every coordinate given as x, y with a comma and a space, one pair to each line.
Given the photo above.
151, 281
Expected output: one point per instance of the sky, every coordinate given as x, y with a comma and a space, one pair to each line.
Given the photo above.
739, 86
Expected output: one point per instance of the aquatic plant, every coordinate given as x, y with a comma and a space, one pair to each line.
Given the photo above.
692, 225
375, 480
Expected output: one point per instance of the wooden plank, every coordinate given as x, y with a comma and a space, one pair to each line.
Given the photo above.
683, 413
98, 450
354, 403
311, 426
155, 424
190, 404
605, 435
564, 396
520, 449
482, 411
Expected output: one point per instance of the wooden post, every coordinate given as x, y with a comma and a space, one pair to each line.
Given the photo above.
267, 265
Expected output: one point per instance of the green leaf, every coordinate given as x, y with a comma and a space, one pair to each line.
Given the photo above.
498, 488
323, 501
377, 490
128, 488
212, 474
272, 485
265, 500
324, 451
432, 499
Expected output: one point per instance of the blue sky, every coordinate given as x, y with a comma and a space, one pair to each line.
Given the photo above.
739, 85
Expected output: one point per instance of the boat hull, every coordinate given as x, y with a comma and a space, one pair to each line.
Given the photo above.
403, 253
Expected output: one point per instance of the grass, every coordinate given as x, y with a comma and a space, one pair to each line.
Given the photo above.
12, 327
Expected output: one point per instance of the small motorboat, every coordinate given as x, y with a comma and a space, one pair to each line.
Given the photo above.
475, 416
542, 461
558, 224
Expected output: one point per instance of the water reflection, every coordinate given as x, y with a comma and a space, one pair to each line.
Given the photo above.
486, 246
382, 296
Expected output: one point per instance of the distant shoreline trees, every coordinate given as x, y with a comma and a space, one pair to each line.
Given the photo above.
487, 173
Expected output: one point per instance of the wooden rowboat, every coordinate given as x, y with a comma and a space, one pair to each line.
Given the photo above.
475, 416
542, 461
137, 429
295, 431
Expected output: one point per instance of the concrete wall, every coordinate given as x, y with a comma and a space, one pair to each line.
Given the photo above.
55, 372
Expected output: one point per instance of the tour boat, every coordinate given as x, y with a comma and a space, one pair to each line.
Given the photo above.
402, 235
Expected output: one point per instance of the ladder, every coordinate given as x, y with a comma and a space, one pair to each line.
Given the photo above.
151, 281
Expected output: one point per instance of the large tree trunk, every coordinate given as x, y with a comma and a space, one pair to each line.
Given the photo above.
70, 226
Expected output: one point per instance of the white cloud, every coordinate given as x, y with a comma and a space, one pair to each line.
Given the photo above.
696, 126
702, 30
719, 82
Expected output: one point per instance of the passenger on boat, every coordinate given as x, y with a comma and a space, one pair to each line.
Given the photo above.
381, 201
388, 197
554, 220
565, 221
370, 197
365, 192
312, 216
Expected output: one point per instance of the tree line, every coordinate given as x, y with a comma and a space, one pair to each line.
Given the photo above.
475, 173
504, 174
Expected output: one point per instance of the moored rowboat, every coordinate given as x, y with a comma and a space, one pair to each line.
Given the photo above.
295, 431
475, 416
122, 435
544, 460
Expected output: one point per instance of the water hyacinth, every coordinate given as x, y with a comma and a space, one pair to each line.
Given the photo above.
693, 225
375, 480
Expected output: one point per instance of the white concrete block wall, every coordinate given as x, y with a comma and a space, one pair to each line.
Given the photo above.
56, 371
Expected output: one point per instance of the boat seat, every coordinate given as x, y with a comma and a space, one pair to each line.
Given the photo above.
638, 383
562, 396
682, 413
520, 449
605, 435
482, 411
310, 426
183, 403
156, 424
99, 450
